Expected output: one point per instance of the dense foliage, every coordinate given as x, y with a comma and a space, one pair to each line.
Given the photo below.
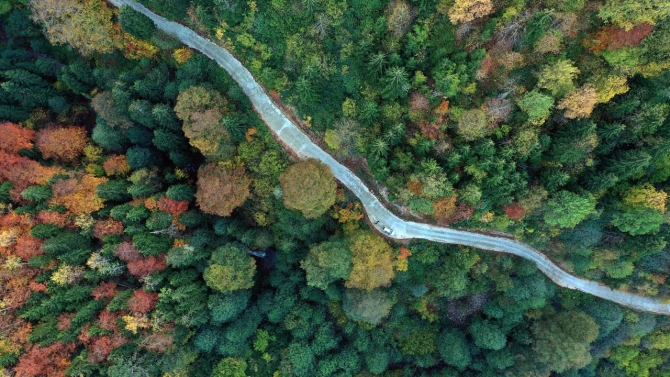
150, 225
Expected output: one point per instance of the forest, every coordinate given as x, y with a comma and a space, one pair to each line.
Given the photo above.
151, 225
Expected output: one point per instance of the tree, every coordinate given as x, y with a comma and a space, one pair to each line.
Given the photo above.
579, 103
367, 306
473, 125
562, 340
85, 25
537, 106
230, 367
396, 83
136, 23
327, 262
645, 196
14, 137
224, 308
64, 144
628, 13
221, 189
201, 110
78, 193
104, 105
45, 361
142, 302
116, 165
230, 269
488, 335
558, 77
308, 186
468, 10
453, 348
638, 221
400, 16
567, 209
372, 262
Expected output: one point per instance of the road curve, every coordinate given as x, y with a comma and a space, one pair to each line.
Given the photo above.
294, 139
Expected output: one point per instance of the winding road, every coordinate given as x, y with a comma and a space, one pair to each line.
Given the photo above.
294, 139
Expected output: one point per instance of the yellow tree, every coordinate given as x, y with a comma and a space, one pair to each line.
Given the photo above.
308, 187
372, 262
468, 10
221, 189
201, 110
83, 24
645, 196
579, 103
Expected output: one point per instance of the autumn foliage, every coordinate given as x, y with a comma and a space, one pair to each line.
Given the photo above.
45, 361
137, 264
116, 165
14, 137
64, 144
614, 38
77, 193
23, 172
142, 302
515, 211
221, 189
309, 187
172, 207
108, 227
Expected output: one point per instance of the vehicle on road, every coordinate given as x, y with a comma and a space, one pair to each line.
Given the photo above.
388, 231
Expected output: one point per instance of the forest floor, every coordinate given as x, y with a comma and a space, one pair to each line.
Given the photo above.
302, 146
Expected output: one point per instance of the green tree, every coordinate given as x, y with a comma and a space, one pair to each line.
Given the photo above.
136, 23
224, 308
558, 77
396, 83
537, 106
567, 209
488, 335
230, 269
638, 221
473, 125
309, 187
628, 13
230, 367
327, 262
367, 306
562, 341
453, 348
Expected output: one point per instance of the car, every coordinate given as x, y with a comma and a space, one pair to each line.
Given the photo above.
388, 231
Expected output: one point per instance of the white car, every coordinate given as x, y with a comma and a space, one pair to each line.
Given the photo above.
388, 231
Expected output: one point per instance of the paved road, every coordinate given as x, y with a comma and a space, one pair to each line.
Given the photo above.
303, 146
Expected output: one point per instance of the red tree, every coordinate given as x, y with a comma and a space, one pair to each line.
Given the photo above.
27, 247
23, 172
116, 165
55, 218
142, 302
14, 137
614, 38
64, 144
515, 211
127, 252
48, 361
107, 320
107, 227
172, 207
144, 267
106, 289
100, 347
